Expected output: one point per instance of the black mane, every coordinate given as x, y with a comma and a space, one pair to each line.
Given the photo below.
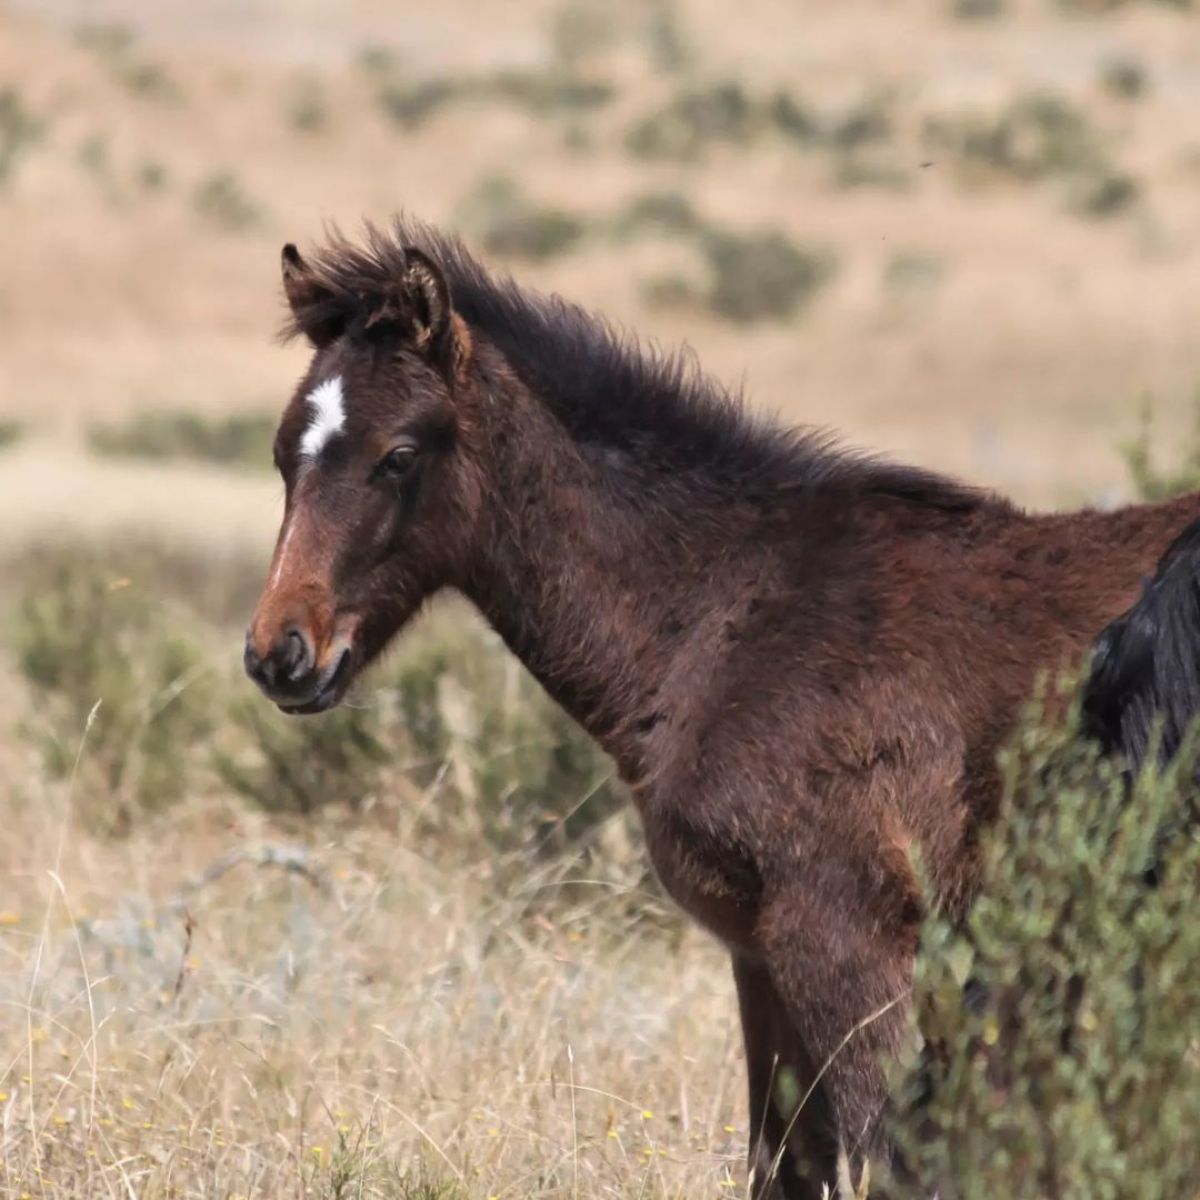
608, 388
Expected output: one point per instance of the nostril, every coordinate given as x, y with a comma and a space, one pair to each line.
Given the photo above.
297, 657
252, 660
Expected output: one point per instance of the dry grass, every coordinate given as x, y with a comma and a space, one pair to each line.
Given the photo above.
384, 1019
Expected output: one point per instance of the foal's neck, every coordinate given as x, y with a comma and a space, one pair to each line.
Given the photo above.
615, 586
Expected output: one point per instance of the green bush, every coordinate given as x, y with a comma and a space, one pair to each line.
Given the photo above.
1149, 481
543, 93
19, 131
221, 199
1124, 78
110, 671
297, 765
764, 275
664, 213
410, 105
717, 112
1074, 1071
508, 223
1034, 137
308, 107
242, 439
455, 718
975, 9
10, 432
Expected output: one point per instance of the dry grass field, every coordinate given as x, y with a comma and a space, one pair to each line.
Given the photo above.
965, 238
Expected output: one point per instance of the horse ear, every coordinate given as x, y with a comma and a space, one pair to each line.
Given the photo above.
314, 312
437, 327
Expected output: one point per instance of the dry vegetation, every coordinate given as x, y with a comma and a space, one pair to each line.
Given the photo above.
410, 950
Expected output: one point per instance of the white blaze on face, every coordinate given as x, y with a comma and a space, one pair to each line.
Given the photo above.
327, 416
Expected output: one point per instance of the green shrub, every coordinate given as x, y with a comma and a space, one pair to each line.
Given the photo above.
1124, 78
410, 105
221, 199
1102, 193
1034, 137
19, 131
763, 275
580, 29
10, 432
509, 223
973, 9
1097, 7
540, 92
115, 43
1149, 481
1074, 1072
152, 175
698, 116
456, 718
546, 92
666, 42
242, 439
110, 670
307, 106
661, 213
299, 765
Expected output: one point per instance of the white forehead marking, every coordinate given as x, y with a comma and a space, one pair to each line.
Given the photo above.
328, 416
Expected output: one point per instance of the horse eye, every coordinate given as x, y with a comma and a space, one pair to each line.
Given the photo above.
398, 461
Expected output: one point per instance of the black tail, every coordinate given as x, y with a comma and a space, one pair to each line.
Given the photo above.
1143, 689
1145, 672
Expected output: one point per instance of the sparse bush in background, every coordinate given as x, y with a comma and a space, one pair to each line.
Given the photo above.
661, 213
697, 117
307, 106
242, 439
10, 432
300, 765
764, 275
1095, 7
1060, 1021
19, 130
153, 175
543, 93
95, 158
454, 729
1149, 481
456, 721
115, 44
1102, 193
412, 104
1032, 137
666, 41
221, 199
909, 278
971, 9
508, 223
1124, 78
87, 635
580, 29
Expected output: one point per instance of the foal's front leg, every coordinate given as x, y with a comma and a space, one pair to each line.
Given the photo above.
790, 1154
844, 984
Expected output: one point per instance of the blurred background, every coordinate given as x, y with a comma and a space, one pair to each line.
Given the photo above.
962, 232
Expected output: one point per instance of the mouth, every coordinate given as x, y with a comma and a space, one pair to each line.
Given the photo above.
329, 691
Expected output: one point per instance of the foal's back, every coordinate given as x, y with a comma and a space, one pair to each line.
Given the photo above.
866, 690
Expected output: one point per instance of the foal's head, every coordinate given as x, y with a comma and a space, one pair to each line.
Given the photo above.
382, 501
